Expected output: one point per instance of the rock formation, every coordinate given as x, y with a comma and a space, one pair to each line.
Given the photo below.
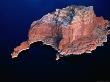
73, 30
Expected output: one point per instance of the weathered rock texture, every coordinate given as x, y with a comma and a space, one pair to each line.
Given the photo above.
71, 30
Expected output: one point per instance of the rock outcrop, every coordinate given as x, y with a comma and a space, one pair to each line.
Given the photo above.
71, 30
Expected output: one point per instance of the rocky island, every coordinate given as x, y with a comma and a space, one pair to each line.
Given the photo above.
73, 30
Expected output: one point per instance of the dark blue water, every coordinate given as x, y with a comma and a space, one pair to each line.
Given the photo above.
39, 62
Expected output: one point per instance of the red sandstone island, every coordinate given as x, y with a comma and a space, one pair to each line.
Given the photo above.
73, 30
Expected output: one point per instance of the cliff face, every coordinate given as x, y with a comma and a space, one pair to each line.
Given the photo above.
71, 30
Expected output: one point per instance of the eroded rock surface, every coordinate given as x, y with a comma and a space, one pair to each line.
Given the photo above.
71, 30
